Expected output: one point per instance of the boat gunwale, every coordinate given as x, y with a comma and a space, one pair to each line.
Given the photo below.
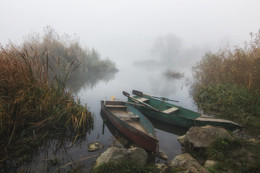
227, 124
152, 136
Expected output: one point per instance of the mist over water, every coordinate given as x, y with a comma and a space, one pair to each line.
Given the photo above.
169, 55
150, 82
153, 43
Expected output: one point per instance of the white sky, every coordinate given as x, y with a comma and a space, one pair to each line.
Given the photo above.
126, 29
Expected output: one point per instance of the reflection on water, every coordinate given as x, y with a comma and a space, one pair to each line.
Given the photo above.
172, 75
48, 155
176, 130
89, 79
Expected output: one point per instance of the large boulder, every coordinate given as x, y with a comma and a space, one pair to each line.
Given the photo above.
114, 154
111, 154
186, 163
137, 154
201, 137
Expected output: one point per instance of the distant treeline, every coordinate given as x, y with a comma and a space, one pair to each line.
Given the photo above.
65, 54
226, 83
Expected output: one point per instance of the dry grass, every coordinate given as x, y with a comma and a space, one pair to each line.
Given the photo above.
240, 66
226, 83
34, 104
26, 92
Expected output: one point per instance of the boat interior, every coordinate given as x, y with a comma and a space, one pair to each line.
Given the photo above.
163, 108
124, 114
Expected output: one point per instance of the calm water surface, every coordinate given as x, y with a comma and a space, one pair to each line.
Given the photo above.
150, 82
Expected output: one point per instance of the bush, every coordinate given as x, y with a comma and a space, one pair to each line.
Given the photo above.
240, 66
35, 107
28, 98
229, 101
226, 83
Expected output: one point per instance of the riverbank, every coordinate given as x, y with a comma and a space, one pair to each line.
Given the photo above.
205, 149
34, 110
226, 84
37, 111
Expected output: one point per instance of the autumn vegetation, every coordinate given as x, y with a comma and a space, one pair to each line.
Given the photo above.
226, 83
35, 103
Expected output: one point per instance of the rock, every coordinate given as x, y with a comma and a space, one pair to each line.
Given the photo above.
200, 137
161, 155
186, 163
210, 163
181, 139
123, 141
253, 140
137, 154
114, 154
94, 146
111, 154
161, 167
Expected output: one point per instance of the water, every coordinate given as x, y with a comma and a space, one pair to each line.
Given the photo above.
131, 77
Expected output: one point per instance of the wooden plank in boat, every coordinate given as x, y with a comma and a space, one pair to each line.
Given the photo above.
116, 106
142, 99
172, 109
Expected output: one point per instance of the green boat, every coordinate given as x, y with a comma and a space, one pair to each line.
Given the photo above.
159, 108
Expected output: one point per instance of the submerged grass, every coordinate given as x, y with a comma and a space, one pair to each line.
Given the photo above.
34, 104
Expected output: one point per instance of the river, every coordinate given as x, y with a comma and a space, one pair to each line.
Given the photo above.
150, 81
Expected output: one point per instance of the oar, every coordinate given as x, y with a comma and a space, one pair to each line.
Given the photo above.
143, 103
131, 103
139, 93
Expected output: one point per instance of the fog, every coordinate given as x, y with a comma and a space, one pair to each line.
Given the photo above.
165, 37
126, 31
153, 43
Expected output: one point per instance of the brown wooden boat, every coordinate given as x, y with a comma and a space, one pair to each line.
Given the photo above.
132, 123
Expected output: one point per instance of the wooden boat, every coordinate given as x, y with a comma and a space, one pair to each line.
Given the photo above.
159, 108
132, 123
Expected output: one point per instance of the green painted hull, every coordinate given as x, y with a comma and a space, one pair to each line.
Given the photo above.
182, 117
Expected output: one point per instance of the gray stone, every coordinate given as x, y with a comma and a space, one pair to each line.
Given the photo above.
114, 154
161, 155
186, 163
200, 137
210, 163
253, 140
94, 146
181, 139
161, 167
111, 154
137, 154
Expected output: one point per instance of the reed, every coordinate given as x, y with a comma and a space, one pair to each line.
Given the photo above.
34, 104
240, 66
226, 83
